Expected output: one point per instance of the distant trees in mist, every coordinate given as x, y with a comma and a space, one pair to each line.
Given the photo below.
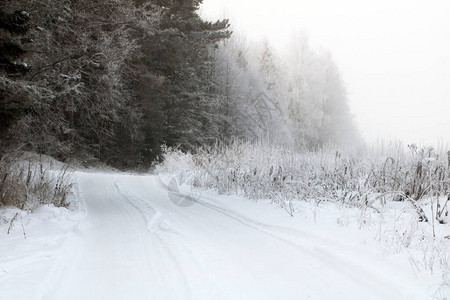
298, 99
113, 80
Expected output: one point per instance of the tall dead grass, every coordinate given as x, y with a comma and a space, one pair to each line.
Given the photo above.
29, 183
367, 180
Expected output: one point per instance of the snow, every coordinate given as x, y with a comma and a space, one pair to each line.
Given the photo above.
29, 266
133, 241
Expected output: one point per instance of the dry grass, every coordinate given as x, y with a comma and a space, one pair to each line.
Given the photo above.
29, 183
367, 180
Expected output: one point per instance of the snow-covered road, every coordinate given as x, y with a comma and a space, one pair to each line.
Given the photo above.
137, 244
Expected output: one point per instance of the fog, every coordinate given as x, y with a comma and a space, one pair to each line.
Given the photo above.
393, 55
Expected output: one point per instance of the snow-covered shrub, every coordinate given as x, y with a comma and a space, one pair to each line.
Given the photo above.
175, 161
29, 183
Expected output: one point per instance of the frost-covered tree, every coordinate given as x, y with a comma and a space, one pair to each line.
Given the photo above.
238, 87
15, 98
79, 72
318, 111
336, 126
297, 99
252, 107
183, 107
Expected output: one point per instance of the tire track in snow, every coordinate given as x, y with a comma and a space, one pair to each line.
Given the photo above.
378, 283
154, 220
165, 259
160, 227
312, 246
119, 260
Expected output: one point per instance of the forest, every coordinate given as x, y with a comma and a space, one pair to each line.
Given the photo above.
111, 81
148, 153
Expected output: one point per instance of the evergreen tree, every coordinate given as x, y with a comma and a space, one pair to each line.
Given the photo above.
80, 74
181, 110
15, 97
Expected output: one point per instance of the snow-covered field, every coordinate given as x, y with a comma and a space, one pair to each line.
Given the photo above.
132, 238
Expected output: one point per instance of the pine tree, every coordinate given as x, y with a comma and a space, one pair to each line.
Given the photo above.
180, 111
15, 97
13, 28
79, 78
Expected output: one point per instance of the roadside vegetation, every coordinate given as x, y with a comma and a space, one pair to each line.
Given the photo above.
367, 178
29, 182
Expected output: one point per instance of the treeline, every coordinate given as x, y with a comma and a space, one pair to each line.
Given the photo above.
296, 99
112, 80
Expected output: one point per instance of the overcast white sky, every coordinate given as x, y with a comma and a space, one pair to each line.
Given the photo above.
394, 55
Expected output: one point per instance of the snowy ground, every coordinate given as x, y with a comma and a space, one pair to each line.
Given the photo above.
135, 240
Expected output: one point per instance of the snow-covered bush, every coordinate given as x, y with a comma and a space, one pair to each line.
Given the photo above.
175, 161
30, 183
